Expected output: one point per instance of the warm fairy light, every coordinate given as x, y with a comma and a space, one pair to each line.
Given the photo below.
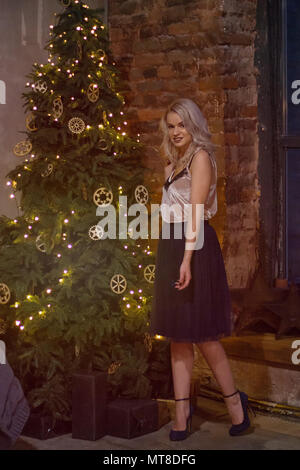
66, 221
123, 133
61, 280
139, 306
16, 221
22, 327
49, 291
128, 305
65, 271
12, 196
30, 318
17, 304
40, 312
26, 235
140, 290
72, 212
158, 336
132, 292
8, 183
36, 218
125, 246
58, 255
28, 296
140, 266
69, 246
18, 322
30, 227
57, 156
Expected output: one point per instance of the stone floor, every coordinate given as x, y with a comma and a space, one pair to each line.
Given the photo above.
210, 432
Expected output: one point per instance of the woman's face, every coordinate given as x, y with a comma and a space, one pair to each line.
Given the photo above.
179, 136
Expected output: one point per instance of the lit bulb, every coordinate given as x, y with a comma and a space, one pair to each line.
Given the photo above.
48, 291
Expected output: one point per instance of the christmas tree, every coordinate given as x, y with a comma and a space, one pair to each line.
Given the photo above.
72, 297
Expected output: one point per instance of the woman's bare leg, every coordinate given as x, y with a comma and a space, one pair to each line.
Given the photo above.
216, 358
182, 359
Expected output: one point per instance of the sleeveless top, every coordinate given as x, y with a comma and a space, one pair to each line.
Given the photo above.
177, 193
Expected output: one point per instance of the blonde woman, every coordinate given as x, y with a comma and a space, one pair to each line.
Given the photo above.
191, 301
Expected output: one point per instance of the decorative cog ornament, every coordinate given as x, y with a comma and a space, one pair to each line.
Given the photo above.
102, 144
103, 56
4, 293
109, 81
57, 108
102, 196
113, 367
48, 171
104, 117
76, 125
31, 122
118, 283
40, 86
3, 326
40, 244
22, 148
141, 194
149, 273
93, 92
96, 232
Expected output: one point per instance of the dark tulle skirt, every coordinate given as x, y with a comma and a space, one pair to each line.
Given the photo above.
202, 311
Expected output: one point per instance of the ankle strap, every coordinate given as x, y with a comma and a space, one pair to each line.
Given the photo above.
227, 396
179, 399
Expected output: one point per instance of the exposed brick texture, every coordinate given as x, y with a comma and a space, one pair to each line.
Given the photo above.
203, 50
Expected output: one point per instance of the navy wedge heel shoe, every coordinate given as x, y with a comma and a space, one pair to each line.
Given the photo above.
181, 435
237, 429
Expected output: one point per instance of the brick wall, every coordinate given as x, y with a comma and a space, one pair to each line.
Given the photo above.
203, 50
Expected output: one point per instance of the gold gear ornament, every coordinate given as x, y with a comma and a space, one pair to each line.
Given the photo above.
149, 273
48, 171
141, 194
22, 148
118, 283
76, 125
4, 293
93, 92
40, 244
40, 86
96, 232
102, 196
30, 122
57, 108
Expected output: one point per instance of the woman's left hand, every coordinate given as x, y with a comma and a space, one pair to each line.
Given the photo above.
185, 275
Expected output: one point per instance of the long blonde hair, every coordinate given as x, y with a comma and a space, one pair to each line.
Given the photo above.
194, 122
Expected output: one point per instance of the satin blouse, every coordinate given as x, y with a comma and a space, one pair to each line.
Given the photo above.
177, 193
